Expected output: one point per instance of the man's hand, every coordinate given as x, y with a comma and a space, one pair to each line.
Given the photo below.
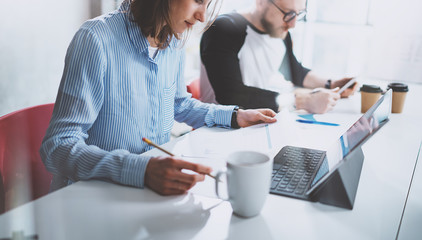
319, 101
349, 91
251, 117
164, 175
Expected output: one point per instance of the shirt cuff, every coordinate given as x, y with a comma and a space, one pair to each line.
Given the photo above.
133, 171
220, 116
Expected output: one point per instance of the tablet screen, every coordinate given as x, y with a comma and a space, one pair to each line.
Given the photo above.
355, 136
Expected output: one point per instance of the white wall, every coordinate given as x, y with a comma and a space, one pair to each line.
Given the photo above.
34, 36
367, 38
396, 43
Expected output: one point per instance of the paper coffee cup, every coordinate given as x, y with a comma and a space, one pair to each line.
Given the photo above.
399, 96
369, 96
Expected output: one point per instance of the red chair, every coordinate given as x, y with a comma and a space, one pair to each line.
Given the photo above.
23, 174
193, 88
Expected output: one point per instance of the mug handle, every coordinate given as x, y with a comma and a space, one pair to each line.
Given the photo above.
217, 180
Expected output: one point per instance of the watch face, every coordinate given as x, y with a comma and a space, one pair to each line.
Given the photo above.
328, 84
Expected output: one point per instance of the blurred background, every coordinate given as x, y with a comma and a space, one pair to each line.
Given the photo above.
380, 39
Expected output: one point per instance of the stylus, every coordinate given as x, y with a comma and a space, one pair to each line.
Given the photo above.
317, 122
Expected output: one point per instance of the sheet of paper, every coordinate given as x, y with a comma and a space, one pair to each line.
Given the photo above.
211, 147
207, 187
212, 143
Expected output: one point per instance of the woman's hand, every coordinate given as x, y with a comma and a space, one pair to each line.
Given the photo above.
164, 175
251, 117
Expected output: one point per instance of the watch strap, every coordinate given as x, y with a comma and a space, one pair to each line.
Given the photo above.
234, 123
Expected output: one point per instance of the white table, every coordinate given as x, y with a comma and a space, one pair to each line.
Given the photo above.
100, 210
410, 226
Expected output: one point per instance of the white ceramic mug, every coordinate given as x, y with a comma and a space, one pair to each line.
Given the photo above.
248, 182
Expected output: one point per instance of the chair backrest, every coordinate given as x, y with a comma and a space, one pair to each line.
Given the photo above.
24, 175
193, 88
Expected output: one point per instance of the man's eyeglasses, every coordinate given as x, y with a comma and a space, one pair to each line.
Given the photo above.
289, 16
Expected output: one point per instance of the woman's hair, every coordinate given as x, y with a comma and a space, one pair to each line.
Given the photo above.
153, 18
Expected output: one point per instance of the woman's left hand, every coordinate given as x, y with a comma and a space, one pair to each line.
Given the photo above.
251, 117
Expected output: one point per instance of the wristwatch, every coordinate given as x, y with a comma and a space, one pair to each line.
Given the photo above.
234, 123
328, 84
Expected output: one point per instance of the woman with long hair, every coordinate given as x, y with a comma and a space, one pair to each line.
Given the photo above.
122, 81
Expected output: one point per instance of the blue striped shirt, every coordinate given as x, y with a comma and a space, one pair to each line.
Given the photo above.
111, 95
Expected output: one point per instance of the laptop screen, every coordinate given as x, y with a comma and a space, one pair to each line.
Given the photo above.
355, 136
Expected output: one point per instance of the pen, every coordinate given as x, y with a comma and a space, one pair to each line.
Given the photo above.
163, 150
317, 122
315, 90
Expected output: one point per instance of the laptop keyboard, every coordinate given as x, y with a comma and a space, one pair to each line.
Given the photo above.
294, 169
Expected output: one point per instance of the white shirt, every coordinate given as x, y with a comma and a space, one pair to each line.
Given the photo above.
265, 53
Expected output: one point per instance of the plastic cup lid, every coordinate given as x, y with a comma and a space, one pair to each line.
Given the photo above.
370, 88
398, 87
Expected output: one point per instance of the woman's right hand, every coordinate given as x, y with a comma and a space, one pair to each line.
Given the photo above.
164, 175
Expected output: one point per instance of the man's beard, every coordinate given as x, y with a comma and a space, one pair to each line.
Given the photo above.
271, 30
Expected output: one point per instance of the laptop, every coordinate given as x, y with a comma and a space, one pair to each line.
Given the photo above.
302, 172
